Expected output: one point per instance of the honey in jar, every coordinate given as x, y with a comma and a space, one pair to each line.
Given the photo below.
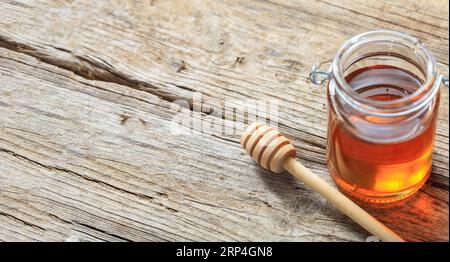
383, 98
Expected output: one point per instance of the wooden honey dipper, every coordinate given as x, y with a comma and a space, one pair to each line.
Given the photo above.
274, 152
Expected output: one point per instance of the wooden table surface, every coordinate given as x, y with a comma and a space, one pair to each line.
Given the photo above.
87, 92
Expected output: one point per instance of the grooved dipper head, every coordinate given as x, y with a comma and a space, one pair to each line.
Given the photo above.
267, 146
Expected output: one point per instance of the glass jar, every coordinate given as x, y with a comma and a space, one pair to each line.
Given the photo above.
383, 100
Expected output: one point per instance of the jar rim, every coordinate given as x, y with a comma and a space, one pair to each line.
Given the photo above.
401, 106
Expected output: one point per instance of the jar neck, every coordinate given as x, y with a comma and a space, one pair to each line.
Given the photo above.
394, 49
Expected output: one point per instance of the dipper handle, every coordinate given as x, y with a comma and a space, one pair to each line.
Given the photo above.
341, 202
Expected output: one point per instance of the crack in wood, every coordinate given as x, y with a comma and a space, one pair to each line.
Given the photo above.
74, 223
90, 69
139, 195
102, 231
26, 223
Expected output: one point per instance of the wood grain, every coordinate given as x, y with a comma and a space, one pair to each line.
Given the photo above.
86, 99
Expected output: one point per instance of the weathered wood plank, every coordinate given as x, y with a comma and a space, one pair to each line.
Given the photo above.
152, 62
70, 171
86, 95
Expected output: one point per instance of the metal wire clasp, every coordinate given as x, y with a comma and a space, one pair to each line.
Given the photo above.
445, 80
444, 72
318, 75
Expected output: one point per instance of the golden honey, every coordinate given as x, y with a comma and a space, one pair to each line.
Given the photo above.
375, 171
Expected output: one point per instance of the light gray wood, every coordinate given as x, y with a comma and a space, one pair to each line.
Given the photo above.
86, 95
